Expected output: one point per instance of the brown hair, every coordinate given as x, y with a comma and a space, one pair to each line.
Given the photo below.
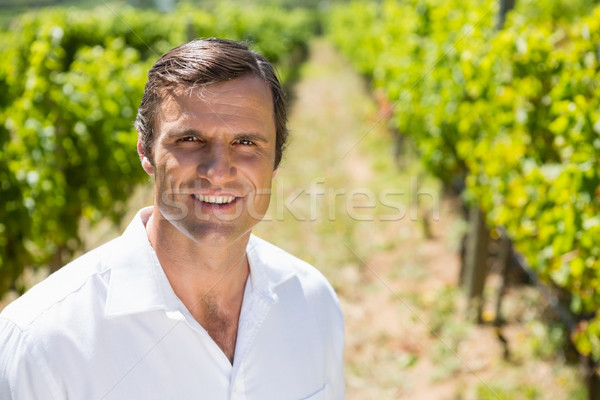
202, 62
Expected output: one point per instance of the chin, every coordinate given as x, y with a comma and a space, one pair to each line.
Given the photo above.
215, 234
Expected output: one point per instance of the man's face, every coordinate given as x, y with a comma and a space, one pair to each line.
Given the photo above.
213, 159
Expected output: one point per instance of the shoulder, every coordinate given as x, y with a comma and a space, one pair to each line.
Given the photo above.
275, 256
45, 319
304, 298
62, 289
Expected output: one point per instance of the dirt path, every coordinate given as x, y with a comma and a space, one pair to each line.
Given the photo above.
341, 203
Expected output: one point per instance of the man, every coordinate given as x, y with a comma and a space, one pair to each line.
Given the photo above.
187, 303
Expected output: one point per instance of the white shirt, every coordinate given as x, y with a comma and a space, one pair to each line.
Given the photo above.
109, 326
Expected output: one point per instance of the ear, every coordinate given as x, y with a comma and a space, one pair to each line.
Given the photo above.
146, 164
274, 173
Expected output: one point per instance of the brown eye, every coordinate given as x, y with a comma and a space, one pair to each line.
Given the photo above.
245, 142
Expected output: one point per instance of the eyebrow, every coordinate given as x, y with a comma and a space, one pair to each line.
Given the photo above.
179, 133
254, 137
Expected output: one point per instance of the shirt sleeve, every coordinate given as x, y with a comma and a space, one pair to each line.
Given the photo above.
22, 375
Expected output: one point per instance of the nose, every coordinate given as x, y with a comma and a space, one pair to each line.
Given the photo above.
215, 165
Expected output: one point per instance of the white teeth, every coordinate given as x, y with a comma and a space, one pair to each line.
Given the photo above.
215, 199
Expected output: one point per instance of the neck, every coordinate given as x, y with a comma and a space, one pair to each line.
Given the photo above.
199, 272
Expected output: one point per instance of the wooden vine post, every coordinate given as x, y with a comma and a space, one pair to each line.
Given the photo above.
475, 260
505, 7
474, 267
505, 253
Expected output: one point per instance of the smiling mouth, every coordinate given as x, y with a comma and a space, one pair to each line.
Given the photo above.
214, 199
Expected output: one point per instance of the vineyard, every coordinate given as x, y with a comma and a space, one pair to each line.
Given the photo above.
511, 114
504, 113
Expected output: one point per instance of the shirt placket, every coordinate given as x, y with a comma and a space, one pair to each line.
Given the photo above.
252, 318
238, 390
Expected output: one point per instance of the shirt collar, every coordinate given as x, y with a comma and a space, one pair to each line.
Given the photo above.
270, 267
138, 282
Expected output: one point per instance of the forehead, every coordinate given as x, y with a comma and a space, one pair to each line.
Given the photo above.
246, 100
